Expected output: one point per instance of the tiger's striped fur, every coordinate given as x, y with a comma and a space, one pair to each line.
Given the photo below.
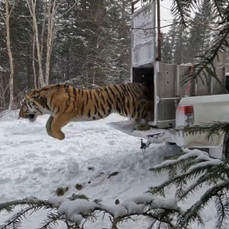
66, 103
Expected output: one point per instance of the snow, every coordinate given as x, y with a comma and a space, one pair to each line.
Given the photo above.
205, 164
167, 204
116, 210
56, 201
133, 207
200, 155
74, 209
107, 163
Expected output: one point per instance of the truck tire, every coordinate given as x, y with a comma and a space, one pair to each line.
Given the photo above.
226, 146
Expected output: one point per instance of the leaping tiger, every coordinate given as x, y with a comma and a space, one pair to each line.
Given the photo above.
65, 103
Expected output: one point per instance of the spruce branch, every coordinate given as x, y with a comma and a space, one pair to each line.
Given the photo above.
16, 220
195, 169
190, 214
181, 10
222, 207
32, 201
199, 164
210, 129
221, 211
77, 209
52, 220
204, 66
212, 176
177, 180
184, 161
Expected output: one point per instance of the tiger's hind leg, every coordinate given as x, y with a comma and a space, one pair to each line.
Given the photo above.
48, 126
57, 123
141, 124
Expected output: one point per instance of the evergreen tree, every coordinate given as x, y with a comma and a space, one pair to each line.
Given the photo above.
219, 39
91, 45
180, 46
96, 38
166, 49
200, 33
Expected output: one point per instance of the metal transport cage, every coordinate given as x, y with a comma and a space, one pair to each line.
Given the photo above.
166, 81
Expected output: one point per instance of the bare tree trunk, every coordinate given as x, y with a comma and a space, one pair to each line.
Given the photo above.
39, 39
32, 10
52, 7
33, 63
49, 15
8, 12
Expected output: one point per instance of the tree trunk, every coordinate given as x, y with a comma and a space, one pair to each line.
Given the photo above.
48, 24
11, 60
34, 64
32, 9
50, 38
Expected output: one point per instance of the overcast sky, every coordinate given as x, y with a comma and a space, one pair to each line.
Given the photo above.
166, 16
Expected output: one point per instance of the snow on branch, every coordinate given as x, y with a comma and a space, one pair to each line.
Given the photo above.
168, 164
194, 169
76, 210
192, 164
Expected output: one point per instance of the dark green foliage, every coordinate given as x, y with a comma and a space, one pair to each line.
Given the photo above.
190, 173
216, 128
216, 11
93, 43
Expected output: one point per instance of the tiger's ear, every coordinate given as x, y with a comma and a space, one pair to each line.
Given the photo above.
34, 94
31, 92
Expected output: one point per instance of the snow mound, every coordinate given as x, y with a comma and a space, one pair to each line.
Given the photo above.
9, 115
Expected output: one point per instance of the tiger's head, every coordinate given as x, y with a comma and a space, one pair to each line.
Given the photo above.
32, 105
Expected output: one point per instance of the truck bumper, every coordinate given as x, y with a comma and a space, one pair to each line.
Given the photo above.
157, 136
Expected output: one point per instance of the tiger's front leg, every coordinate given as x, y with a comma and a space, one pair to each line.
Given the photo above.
48, 126
57, 123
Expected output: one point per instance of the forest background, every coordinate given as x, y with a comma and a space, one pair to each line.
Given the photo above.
83, 42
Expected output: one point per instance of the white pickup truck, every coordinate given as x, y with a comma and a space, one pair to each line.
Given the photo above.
203, 110
197, 111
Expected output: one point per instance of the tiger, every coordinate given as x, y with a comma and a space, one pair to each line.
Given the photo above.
65, 103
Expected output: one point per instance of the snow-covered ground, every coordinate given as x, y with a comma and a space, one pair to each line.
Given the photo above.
105, 162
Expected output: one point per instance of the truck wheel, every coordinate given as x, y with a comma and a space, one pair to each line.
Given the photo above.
226, 146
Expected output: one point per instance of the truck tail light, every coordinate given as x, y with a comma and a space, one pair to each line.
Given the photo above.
187, 112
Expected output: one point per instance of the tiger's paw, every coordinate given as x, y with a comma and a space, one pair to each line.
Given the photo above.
60, 135
56, 134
